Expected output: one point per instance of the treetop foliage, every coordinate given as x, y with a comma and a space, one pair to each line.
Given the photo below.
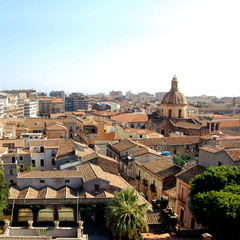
4, 193
215, 199
125, 214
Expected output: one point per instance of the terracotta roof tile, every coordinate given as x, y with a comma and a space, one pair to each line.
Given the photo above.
18, 143
13, 193
86, 172
230, 123
123, 145
233, 153
168, 140
145, 150
66, 147
89, 156
230, 144
131, 118
170, 191
45, 142
3, 149
187, 125
50, 174
212, 149
56, 127
44, 193
190, 173
162, 167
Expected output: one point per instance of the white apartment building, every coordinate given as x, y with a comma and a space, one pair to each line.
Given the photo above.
3, 103
30, 108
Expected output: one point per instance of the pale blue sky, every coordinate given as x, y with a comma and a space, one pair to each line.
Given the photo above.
99, 46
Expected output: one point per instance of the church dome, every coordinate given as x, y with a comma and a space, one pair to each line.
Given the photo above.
174, 96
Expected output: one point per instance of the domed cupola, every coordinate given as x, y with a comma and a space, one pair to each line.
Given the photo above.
174, 103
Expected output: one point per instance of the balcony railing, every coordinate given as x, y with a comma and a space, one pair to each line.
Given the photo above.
145, 182
182, 198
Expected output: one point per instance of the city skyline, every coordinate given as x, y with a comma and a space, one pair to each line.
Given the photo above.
136, 46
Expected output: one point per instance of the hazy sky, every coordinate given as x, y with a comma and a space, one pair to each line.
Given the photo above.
137, 45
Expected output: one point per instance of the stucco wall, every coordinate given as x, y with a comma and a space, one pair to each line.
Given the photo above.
208, 159
51, 182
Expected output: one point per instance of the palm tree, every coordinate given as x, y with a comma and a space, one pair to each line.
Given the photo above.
126, 216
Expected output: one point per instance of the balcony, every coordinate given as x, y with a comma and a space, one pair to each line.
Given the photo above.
153, 188
182, 198
145, 182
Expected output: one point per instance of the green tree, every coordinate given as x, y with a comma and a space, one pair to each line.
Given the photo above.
126, 216
215, 201
4, 193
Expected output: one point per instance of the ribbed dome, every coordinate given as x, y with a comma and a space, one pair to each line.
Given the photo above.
174, 96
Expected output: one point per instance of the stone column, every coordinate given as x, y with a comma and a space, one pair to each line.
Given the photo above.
80, 229
207, 236
6, 226
56, 224
30, 224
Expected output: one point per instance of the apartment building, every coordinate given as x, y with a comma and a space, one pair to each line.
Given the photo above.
30, 108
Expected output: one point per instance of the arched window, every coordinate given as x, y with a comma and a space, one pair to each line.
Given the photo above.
45, 215
170, 113
179, 113
25, 214
66, 214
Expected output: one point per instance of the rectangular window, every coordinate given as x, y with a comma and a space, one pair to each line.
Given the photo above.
182, 216
33, 163
67, 181
183, 194
159, 148
165, 148
53, 162
21, 167
219, 163
192, 223
41, 149
11, 182
42, 181
96, 186
21, 158
13, 159
11, 171
42, 162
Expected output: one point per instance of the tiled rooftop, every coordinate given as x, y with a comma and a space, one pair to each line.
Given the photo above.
162, 167
123, 145
233, 153
190, 173
212, 149
131, 118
